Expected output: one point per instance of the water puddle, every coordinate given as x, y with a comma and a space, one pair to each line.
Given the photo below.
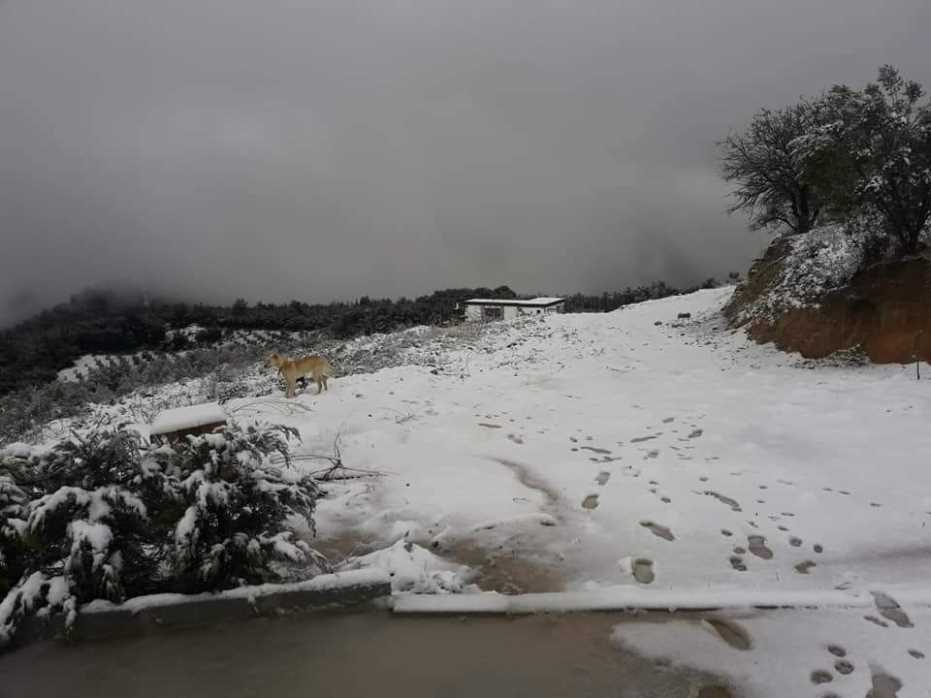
506, 570
358, 654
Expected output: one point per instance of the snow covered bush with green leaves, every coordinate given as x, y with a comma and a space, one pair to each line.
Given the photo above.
109, 516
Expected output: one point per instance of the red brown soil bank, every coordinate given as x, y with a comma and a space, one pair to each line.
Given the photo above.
885, 310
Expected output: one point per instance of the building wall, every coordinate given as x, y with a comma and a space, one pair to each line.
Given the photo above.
478, 313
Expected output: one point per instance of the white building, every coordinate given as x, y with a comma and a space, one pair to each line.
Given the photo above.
490, 309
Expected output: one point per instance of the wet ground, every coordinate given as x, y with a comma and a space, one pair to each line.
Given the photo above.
360, 654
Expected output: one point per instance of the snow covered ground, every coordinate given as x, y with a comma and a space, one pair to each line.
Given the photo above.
634, 449
588, 442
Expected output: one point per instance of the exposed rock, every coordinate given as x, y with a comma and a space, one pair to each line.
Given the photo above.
883, 310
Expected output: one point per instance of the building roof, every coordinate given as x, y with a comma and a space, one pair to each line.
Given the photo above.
191, 417
543, 301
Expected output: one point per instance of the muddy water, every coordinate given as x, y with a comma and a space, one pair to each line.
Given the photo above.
349, 655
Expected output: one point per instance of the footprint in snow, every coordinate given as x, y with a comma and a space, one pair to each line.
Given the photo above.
590, 502
820, 676
804, 566
917, 654
641, 439
795, 541
837, 650
875, 621
890, 609
603, 477
843, 667
642, 569
658, 530
732, 503
733, 634
884, 685
737, 563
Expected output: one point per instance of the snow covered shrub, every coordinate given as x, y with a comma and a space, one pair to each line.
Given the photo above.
235, 529
12, 512
109, 516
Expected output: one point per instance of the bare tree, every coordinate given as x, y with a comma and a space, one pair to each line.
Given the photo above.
770, 185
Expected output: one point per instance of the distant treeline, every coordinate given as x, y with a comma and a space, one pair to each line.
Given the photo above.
107, 322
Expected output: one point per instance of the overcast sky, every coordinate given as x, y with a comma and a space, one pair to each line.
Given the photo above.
328, 149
